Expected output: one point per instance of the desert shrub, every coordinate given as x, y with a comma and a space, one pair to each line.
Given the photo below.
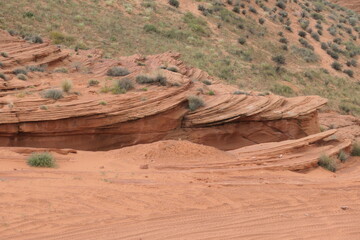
236, 9
240, 93
304, 23
207, 82
333, 54
66, 85
53, 94
332, 30
302, 34
195, 102
20, 71
283, 14
315, 36
317, 16
280, 59
352, 21
337, 40
283, 40
320, 32
4, 54
284, 47
343, 156
306, 54
230, 2
146, 79
174, 3
324, 46
21, 77
150, 28
288, 28
35, 39
211, 93
2, 76
61, 70
60, 38
41, 159
327, 163
172, 69
93, 82
281, 34
352, 62
252, 9
306, 44
117, 71
125, 83
242, 41
243, 12
349, 72
35, 68
355, 149
281, 5
282, 90
1, 65
337, 66
103, 103
261, 21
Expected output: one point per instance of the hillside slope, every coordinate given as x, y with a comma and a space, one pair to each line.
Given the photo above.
254, 44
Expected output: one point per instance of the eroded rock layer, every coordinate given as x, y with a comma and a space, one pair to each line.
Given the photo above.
94, 118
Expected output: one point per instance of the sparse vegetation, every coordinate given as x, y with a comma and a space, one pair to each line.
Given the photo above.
174, 3
20, 71
242, 41
93, 82
2, 76
117, 72
355, 149
195, 102
4, 54
147, 79
53, 94
21, 77
337, 66
280, 59
343, 156
41, 159
327, 163
125, 83
66, 85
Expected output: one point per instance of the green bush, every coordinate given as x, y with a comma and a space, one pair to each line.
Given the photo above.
349, 72
172, 69
117, 71
252, 9
61, 70
174, 3
355, 149
2, 76
302, 34
53, 94
283, 40
337, 66
327, 163
41, 159
66, 85
280, 59
306, 54
125, 83
195, 102
315, 36
242, 41
4, 54
343, 156
35, 68
333, 54
146, 79
207, 82
20, 71
150, 28
261, 21
93, 82
236, 9
281, 5
21, 77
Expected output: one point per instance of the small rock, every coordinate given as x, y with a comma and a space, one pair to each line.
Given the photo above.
344, 207
145, 166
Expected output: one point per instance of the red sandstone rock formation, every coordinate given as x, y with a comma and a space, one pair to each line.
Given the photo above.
227, 121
